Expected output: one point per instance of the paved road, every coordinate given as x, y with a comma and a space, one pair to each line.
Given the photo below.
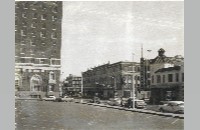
47, 115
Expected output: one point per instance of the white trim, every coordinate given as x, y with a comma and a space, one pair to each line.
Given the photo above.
41, 58
55, 59
26, 57
38, 67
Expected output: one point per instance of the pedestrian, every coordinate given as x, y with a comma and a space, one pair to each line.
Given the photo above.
129, 102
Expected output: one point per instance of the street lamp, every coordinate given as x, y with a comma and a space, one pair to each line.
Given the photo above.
133, 84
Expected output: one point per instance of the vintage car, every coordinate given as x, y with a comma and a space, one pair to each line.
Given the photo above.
173, 107
49, 98
67, 99
114, 102
138, 103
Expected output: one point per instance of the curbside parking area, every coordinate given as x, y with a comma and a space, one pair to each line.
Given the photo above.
180, 116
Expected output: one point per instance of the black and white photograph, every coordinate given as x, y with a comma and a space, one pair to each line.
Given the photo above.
99, 65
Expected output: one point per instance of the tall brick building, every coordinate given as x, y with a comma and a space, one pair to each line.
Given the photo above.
38, 46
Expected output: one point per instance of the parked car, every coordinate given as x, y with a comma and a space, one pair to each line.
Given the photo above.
95, 100
172, 106
114, 102
138, 103
124, 101
50, 98
58, 99
67, 99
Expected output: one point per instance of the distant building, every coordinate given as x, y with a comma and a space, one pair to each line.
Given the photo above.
72, 85
167, 78
110, 80
37, 47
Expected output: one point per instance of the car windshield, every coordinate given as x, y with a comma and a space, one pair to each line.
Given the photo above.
140, 102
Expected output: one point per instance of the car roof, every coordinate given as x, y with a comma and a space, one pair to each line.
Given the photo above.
178, 102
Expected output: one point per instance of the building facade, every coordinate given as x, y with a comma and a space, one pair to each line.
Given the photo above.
167, 78
37, 47
110, 80
72, 85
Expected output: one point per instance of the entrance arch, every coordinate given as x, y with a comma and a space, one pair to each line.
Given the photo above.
36, 83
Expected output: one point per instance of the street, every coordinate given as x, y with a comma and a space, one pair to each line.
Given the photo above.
47, 115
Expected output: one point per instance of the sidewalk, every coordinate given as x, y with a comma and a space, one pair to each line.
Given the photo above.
151, 109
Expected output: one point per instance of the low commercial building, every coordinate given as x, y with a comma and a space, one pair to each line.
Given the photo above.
111, 80
167, 78
72, 85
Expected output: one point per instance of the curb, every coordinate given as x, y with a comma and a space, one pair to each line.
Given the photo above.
136, 110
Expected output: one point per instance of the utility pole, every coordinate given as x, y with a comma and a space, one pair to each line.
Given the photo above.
115, 84
133, 84
81, 89
133, 92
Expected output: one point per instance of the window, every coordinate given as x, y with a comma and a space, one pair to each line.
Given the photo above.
22, 43
44, 26
158, 78
23, 33
32, 42
24, 15
52, 76
33, 25
25, 5
33, 33
182, 77
24, 24
43, 43
22, 60
148, 68
170, 77
55, 9
163, 78
35, 15
43, 17
138, 68
17, 83
54, 35
54, 18
43, 6
152, 79
32, 53
53, 26
42, 34
177, 77
131, 68
148, 75
32, 60
42, 61
54, 43
148, 82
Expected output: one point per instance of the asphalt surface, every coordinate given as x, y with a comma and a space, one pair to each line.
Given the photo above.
47, 115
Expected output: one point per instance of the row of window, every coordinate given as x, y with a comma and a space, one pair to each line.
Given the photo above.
76, 82
39, 61
33, 42
34, 24
76, 78
41, 5
170, 78
132, 68
43, 34
41, 16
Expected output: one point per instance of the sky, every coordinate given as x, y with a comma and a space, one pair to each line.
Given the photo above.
97, 32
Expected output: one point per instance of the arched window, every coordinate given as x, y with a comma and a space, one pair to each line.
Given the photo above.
51, 76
